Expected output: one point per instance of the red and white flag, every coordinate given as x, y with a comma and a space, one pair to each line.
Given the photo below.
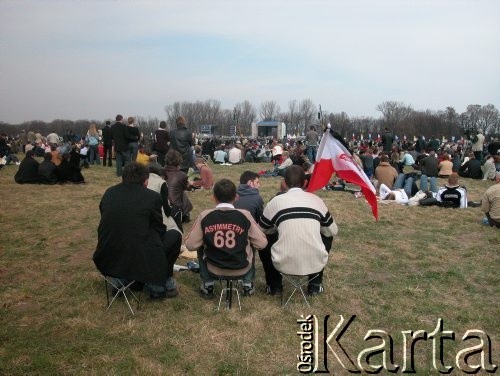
333, 157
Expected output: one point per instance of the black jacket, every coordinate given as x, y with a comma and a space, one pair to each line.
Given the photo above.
119, 134
28, 171
250, 199
131, 235
107, 136
181, 140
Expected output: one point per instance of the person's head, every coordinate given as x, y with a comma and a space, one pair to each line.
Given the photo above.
285, 155
390, 196
250, 178
453, 180
225, 191
130, 120
47, 156
135, 173
497, 177
119, 117
294, 177
173, 158
30, 154
471, 155
384, 158
312, 128
108, 122
163, 124
180, 121
199, 163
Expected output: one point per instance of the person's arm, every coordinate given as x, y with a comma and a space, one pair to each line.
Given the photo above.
485, 203
265, 223
194, 239
257, 238
328, 227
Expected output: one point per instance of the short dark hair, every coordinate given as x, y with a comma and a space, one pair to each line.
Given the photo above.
294, 177
156, 169
248, 176
225, 191
173, 158
30, 154
119, 117
163, 124
135, 173
47, 156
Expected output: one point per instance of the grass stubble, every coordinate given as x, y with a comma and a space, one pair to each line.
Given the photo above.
405, 271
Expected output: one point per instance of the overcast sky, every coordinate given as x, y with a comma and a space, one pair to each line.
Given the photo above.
91, 60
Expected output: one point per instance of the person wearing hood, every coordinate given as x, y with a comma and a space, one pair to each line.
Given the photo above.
248, 194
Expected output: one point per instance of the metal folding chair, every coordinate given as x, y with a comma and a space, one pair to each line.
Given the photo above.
230, 287
119, 288
297, 282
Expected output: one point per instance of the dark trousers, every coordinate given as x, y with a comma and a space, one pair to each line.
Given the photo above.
172, 241
273, 276
108, 155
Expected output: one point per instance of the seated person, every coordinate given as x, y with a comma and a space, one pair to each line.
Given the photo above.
69, 172
220, 155
300, 230
489, 168
385, 173
452, 194
47, 170
235, 155
177, 182
28, 170
471, 168
286, 162
490, 203
206, 180
224, 238
133, 243
445, 166
398, 195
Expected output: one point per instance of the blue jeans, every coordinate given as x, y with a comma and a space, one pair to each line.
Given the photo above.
311, 153
122, 158
424, 186
404, 182
208, 278
133, 148
94, 155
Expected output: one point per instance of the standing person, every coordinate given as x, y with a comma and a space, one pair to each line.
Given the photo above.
120, 140
305, 233
133, 136
133, 243
181, 140
162, 140
490, 203
478, 145
224, 238
107, 143
92, 140
387, 140
312, 139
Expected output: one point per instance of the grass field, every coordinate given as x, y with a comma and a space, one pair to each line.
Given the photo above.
413, 266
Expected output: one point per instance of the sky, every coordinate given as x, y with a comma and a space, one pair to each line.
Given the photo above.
93, 59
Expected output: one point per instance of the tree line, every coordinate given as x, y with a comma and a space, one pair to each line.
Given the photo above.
298, 116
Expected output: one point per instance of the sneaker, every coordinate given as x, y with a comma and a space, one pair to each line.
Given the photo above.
207, 291
271, 290
248, 289
315, 289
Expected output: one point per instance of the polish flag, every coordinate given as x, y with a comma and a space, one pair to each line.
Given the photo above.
333, 157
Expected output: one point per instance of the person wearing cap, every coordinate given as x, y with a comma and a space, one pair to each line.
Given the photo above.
490, 203
181, 140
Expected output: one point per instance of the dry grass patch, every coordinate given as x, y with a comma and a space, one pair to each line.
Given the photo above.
403, 272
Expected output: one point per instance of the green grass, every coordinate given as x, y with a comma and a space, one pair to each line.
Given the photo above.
405, 271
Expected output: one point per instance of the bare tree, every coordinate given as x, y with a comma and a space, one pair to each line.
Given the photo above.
269, 110
394, 113
246, 115
307, 114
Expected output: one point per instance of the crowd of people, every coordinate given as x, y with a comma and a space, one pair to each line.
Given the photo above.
292, 233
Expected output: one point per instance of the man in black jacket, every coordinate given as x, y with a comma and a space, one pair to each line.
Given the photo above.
107, 143
471, 168
181, 140
133, 243
120, 139
28, 169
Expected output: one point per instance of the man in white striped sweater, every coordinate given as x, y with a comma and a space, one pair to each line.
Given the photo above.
305, 231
